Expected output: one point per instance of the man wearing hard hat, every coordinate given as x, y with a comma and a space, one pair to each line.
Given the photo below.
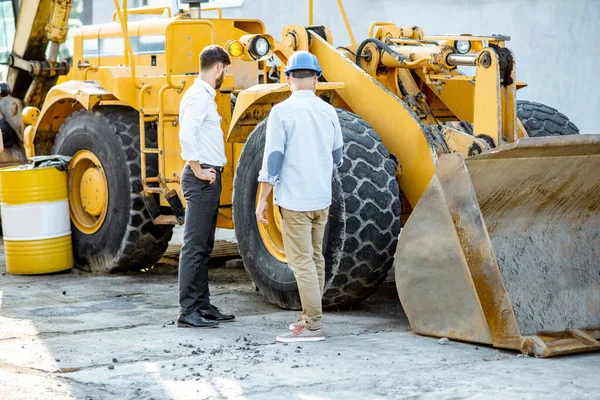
303, 144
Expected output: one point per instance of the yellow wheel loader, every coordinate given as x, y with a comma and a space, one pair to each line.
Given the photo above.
502, 230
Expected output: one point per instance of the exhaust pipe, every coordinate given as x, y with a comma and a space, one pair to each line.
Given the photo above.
195, 10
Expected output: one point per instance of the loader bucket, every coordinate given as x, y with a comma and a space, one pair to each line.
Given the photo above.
504, 248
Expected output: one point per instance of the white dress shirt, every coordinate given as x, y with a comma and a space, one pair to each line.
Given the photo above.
303, 144
200, 132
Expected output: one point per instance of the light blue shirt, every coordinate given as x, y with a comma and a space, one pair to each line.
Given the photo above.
303, 144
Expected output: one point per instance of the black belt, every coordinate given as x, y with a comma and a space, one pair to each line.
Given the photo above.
208, 166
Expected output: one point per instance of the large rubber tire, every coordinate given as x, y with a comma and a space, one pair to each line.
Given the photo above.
541, 120
363, 225
128, 239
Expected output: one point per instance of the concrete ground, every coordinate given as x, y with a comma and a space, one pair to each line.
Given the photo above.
77, 335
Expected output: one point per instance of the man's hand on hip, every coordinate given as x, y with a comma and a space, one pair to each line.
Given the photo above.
209, 175
206, 175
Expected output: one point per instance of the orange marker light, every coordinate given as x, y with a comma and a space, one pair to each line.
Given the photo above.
235, 48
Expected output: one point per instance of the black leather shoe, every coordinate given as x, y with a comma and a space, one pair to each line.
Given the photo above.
195, 320
214, 314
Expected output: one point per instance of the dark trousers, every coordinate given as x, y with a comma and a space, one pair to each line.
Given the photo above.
198, 239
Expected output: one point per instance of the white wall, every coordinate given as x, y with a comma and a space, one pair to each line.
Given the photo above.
554, 41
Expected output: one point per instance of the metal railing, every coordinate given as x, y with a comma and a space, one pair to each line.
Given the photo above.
344, 17
143, 11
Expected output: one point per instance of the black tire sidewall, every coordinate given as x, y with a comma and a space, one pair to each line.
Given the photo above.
88, 130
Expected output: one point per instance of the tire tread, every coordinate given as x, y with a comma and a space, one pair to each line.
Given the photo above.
143, 242
366, 221
542, 120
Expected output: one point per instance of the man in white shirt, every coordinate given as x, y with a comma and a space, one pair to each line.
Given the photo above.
303, 144
203, 149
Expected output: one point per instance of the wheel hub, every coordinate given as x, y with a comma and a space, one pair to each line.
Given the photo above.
88, 192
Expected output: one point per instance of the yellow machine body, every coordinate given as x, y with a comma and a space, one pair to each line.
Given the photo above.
153, 83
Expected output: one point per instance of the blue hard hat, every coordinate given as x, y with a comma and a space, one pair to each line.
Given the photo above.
303, 60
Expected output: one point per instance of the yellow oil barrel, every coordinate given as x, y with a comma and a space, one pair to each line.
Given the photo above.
35, 220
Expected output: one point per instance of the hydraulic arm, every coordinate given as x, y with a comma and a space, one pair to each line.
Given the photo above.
33, 65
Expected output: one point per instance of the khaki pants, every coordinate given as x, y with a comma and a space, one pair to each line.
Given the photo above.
303, 242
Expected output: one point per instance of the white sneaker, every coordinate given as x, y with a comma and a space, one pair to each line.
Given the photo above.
302, 334
300, 322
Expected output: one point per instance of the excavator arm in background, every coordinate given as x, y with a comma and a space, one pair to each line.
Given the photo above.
31, 71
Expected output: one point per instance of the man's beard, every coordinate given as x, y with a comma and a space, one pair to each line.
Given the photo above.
220, 80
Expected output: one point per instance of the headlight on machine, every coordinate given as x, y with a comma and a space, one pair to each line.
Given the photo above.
462, 46
251, 47
259, 46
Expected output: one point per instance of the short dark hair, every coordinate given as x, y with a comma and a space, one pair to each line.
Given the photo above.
303, 73
212, 55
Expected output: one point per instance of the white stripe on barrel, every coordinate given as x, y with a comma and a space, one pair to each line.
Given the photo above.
36, 221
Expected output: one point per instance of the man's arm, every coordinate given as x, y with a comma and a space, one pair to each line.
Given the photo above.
189, 137
338, 142
275, 142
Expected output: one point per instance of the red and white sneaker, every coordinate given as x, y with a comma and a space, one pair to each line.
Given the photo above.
302, 334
